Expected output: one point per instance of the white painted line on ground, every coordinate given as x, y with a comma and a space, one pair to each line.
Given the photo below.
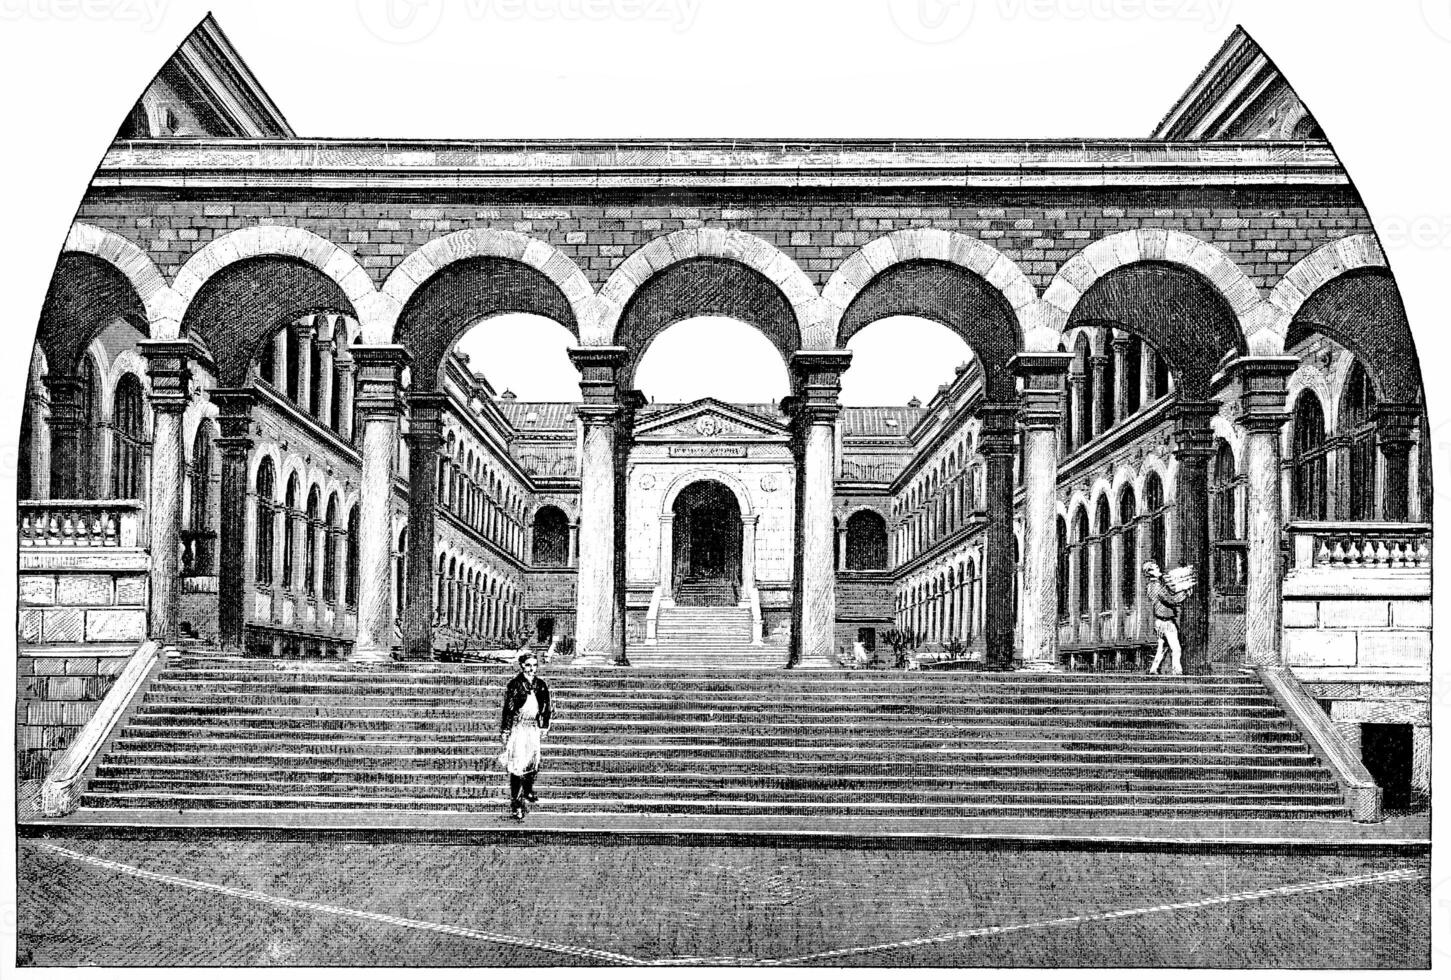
1308, 888
1331, 884
379, 917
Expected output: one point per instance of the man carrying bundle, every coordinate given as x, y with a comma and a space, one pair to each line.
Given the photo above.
1167, 596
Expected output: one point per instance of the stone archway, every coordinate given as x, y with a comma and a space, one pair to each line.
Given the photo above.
706, 545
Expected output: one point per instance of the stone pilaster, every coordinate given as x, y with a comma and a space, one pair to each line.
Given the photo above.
235, 445
1082, 417
1121, 347
998, 446
1193, 449
667, 558
1041, 418
379, 408
813, 406
344, 394
70, 476
1262, 415
325, 349
597, 584
1395, 428
424, 437
1102, 418
169, 365
306, 332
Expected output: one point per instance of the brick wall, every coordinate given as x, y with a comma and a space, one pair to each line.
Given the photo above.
55, 697
1264, 230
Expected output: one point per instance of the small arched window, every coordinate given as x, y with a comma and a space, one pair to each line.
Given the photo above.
1104, 522
866, 541
1081, 562
309, 542
330, 551
1064, 613
128, 427
1308, 453
264, 545
289, 532
1158, 518
551, 538
1357, 428
350, 590
1129, 563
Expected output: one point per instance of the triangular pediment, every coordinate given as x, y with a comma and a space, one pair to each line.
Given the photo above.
708, 420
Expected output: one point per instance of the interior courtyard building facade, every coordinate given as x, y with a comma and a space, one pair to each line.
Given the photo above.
246, 408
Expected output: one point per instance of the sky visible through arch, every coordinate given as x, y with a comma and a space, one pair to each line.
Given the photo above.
893, 360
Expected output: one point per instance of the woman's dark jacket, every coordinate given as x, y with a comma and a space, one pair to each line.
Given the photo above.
516, 694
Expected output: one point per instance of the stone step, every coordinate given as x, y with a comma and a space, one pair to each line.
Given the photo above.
1297, 781
1258, 810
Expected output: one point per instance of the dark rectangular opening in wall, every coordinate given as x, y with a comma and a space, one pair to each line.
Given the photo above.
867, 637
1386, 751
545, 629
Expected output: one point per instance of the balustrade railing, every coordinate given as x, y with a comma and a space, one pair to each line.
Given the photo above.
549, 465
1374, 545
869, 472
79, 523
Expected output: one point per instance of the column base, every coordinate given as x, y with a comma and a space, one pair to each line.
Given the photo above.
815, 663
1036, 666
380, 655
593, 658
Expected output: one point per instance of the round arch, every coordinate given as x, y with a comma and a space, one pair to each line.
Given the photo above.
1157, 245
162, 305
1317, 269
814, 321
743, 498
370, 307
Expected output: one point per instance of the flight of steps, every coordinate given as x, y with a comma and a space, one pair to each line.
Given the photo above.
236, 733
706, 637
705, 592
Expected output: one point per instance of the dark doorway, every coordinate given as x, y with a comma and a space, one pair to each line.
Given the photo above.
867, 637
707, 545
544, 629
1386, 751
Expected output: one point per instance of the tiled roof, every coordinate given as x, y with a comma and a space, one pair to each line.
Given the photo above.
538, 416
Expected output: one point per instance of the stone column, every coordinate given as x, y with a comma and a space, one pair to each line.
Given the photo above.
235, 445
1102, 420
325, 349
841, 548
596, 585
997, 445
572, 560
1077, 391
630, 403
1194, 448
1262, 416
1396, 425
280, 368
1042, 412
306, 331
70, 475
344, 394
169, 364
1120, 376
748, 553
813, 406
377, 398
667, 557
39, 448
1147, 360
424, 437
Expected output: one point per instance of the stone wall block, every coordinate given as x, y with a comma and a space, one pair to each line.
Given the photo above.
1338, 613
131, 590
85, 590
1395, 648
1411, 612
116, 625
37, 590
1314, 648
1301, 614
64, 626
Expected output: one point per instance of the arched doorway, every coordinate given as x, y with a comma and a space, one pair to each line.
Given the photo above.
707, 545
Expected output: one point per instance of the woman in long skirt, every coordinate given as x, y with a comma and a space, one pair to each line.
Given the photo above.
525, 721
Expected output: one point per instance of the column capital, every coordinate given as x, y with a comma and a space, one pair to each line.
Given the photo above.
425, 412
598, 413
377, 387
168, 363
1122, 343
307, 326
1042, 392
1040, 369
1263, 382
748, 519
1395, 425
1193, 434
598, 372
1099, 362
234, 413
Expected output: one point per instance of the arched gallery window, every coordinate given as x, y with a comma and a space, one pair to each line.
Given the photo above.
1157, 514
551, 538
1357, 428
1081, 563
309, 543
350, 590
1105, 554
289, 532
1307, 487
1064, 613
128, 427
1129, 555
266, 508
330, 551
1229, 549
866, 541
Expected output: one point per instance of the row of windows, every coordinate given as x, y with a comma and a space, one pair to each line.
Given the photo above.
468, 599
946, 608
1075, 554
312, 526
79, 471
479, 507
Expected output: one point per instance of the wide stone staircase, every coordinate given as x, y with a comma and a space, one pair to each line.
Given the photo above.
717, 637
219, 733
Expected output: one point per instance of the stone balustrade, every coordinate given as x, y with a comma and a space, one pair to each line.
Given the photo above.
79, 523
539, 465
1374, 545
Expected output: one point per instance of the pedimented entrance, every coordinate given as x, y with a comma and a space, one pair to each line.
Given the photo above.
707, 546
